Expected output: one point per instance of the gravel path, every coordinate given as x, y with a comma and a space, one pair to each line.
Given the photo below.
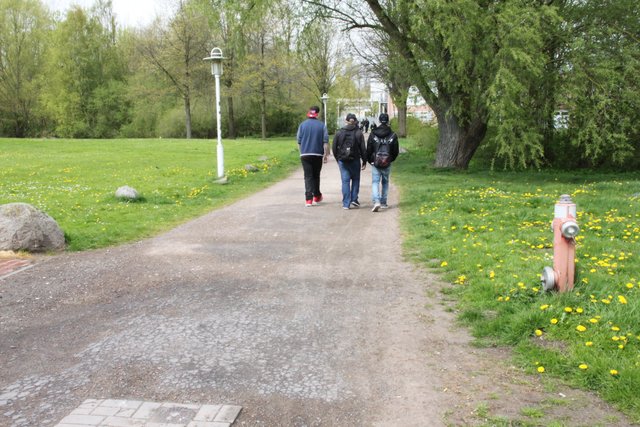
284, 310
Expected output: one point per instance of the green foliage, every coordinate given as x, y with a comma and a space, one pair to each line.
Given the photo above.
23, 29
84, 78
76, 181
602, 91
488, 233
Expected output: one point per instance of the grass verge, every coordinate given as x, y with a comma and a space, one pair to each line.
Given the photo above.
489, 235
74, 181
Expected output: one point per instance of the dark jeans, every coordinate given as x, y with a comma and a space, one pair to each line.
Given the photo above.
350, 175
311, 165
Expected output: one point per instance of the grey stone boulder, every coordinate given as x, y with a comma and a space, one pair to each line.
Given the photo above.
128, 193
251, 168
25, 228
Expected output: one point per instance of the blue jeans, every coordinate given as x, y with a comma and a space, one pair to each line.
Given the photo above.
378, 175
350, 175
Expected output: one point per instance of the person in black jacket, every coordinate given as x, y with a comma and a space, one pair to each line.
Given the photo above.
382, 150
349, 150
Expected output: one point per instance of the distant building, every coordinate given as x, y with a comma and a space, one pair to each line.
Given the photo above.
416, 105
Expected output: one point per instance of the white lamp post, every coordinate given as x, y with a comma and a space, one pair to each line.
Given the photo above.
216, 71
324, 98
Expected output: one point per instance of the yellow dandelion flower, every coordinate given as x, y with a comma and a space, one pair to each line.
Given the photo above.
621, 346
538, 332
579, 310
554, 321
492, 274
622, 299
583, 366
613, 372
580, 328
629, 285
615, 338
541, 369
593, 320
615, 328
589, 343
544, 306
444, 264
568, 309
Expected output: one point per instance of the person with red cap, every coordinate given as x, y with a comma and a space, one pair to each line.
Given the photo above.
313, 143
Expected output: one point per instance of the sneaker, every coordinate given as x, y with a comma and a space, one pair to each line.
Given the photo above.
345, 207
384, 206
355, 204
317, 199
376, 207
308, 203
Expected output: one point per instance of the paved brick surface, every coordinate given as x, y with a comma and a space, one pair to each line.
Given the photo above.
136, 413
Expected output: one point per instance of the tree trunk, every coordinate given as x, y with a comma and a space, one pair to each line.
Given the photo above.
263, 109
457, 145
402, 120
231, 120
187, 115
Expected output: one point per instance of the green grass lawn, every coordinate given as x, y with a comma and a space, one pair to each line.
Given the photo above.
74, 181
489, 234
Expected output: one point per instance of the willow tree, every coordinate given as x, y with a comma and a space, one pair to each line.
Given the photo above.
601, 81
475, 62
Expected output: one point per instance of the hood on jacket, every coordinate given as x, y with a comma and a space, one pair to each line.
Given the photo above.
349, 127
382, 131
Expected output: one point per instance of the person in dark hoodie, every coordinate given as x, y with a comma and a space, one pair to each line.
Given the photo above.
349, 149
382, 150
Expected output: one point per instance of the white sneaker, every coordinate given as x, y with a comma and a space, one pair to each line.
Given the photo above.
384, 206
376, 207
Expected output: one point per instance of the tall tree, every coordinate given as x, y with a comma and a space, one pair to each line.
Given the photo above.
383, 62
176, 51
601, 80
23, 28
320, 52
85, 90
459, 53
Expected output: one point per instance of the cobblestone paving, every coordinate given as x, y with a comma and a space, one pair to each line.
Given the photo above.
135, 413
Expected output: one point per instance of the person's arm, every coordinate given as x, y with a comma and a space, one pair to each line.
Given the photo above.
395, 147
363, 150
370, 144
326, 152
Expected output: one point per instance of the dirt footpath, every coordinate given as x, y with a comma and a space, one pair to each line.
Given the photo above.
302, 316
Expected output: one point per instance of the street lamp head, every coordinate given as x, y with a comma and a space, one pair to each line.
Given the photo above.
216, 61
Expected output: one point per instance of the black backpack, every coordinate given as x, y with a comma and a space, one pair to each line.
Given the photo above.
382, 156
346, 145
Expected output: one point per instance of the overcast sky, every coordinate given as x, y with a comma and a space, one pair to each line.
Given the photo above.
129, 13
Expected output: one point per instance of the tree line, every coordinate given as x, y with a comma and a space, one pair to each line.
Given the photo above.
80, 75
495, 72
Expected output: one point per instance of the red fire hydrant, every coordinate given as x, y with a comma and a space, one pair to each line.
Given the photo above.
565, 229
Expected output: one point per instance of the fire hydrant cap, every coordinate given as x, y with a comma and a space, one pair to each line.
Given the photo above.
570, 229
